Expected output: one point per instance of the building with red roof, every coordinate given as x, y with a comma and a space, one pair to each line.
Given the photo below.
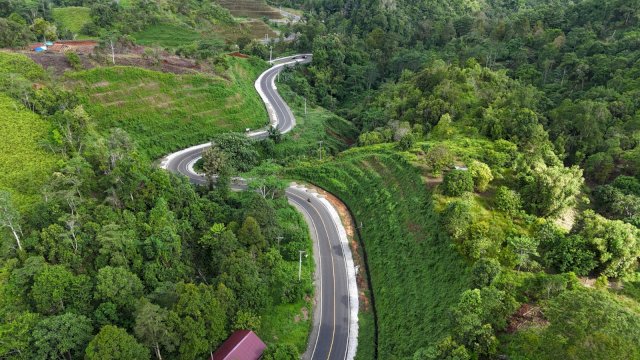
242, 345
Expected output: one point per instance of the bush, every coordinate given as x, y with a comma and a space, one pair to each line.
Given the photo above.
457, 182
481, 174
456, 218
74, 60
438, 158
484, 271
406, 142
508, 200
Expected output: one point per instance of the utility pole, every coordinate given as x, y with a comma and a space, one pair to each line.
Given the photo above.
300, 264
305, 106
320, 149
270, 53
279, 238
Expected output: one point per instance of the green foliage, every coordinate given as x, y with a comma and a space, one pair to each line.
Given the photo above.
281, 352
62, 336
616, 244
114, 343
508, 200
318, 124
72, 18
548, 191
56, 290
27, 166
387, 195
456, 218
166, 35
457, 182
484, 271
154, 329
118, 285
13, 34
238, 148
438, 158
583, 324
250, 235
164, 112
481, 174
74, 60
476, 317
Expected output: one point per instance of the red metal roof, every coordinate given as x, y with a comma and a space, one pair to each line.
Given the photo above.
242, 345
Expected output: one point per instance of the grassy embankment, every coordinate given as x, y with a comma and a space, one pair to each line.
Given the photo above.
167, 35
72, 18
319, 124
165, 112
415, 273
24, 161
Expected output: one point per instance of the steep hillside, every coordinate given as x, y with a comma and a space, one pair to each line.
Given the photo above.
166, 112
414, 273
25, 163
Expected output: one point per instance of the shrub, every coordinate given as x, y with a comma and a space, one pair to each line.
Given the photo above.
74, 60
406, 142
481, 174
484, 271
456, 218
508, 200
438, 158
457, 182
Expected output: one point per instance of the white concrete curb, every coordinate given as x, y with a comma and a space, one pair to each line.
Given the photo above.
165, 161
351, 271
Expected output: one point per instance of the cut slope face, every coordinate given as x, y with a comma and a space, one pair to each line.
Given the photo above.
415, 274
164, 112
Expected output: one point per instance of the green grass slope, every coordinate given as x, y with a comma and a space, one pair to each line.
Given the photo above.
25, 164
166, 35
318, 124
415, 274
164, 112
72, 17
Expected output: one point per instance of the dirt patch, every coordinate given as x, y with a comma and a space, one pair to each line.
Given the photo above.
526, 316
100, 84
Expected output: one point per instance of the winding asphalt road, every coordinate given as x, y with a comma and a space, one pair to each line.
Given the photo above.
333, 335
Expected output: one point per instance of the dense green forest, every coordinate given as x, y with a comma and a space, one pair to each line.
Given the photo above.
106, 256
522, 119
494, 177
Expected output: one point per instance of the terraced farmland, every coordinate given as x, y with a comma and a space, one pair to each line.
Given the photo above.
164, 112
250, 8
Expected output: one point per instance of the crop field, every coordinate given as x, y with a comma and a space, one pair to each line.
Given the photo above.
72, 18
415, 273
166, 35
24, 162
250, 8
164, 112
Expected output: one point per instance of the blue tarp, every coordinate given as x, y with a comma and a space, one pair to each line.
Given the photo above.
38, 49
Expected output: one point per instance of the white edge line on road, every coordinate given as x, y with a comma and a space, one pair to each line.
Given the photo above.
167, 159
318, 275
352, 285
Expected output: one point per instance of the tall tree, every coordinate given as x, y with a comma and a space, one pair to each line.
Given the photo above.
113, 343
9, 217
154, 329
61, 337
